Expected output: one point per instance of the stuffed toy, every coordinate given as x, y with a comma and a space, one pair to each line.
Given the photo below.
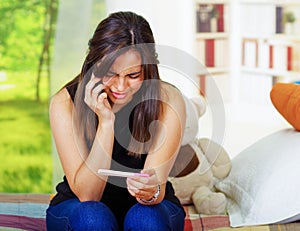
199, 164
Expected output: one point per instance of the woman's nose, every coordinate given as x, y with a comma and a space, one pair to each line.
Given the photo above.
121, 83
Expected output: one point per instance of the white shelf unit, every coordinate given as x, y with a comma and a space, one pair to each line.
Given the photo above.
252, 20
212, 43
277, 2
267, 56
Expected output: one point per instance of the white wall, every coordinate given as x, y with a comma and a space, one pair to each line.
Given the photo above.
172, 21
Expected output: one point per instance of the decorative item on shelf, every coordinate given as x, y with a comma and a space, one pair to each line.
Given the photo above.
203, 18
214, 15
288, 21
210, 18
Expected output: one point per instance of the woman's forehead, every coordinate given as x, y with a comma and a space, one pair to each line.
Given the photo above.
130, 60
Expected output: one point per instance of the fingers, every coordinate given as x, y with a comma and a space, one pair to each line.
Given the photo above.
97, 91
94, 92
94, 87
140, 190
143, 187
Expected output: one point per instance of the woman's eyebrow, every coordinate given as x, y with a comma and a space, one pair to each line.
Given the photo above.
135, 72
131, 73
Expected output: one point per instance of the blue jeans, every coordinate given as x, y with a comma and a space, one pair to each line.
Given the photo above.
93, 216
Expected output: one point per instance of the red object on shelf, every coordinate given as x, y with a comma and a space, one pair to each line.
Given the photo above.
202, 83
209, 52
220, 21
289, 58
271, 56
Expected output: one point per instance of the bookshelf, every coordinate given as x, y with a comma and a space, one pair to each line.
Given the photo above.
212, 43
252, 51
270, 47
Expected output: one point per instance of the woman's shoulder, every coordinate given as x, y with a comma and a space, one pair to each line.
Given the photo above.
61, 99
62, 95
170, 93
172, 99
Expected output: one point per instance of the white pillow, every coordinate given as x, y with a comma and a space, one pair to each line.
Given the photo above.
263, 186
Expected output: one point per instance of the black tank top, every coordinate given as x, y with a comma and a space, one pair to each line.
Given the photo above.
115, 194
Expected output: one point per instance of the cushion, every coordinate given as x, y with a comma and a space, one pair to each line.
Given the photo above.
263, 186
286, 99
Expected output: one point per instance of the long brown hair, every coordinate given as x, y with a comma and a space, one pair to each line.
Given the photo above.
114, 35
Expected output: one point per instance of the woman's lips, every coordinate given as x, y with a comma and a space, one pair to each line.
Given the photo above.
119, 95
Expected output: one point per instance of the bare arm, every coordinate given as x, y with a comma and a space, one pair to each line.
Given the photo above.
79, 165
164, 150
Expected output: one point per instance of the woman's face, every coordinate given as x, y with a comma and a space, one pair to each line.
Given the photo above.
124, 79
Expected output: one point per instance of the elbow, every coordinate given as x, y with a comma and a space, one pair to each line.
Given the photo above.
84, 194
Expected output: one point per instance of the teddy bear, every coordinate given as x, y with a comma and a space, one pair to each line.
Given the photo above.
200, 163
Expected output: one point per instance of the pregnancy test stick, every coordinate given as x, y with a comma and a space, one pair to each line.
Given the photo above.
107, 172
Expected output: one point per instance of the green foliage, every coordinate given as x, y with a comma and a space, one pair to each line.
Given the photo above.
21, 86
25, 174
289, 17
214, 12
21, 33
25, 144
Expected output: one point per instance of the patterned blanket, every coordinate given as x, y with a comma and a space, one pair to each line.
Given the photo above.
27, 212
194, 221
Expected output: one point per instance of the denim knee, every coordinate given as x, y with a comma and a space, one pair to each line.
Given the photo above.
90, 215
165, 216
146, 218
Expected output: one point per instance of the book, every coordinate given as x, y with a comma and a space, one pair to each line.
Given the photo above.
202, 84
220, 21
250, 52
221, 49
213, 52
210, 52
263, 55
289, 58
281, 55
295, 57
278, 22
270, 56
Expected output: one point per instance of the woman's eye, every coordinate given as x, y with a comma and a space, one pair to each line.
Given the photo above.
135, 75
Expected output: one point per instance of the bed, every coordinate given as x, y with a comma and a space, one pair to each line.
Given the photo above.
263, 187
27, 212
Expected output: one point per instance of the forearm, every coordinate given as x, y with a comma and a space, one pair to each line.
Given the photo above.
87, 184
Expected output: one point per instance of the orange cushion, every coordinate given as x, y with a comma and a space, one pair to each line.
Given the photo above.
286, 99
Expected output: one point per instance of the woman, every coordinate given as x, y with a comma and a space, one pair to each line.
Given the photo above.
117, 114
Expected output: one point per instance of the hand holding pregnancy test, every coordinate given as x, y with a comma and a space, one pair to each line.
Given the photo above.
107, 172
